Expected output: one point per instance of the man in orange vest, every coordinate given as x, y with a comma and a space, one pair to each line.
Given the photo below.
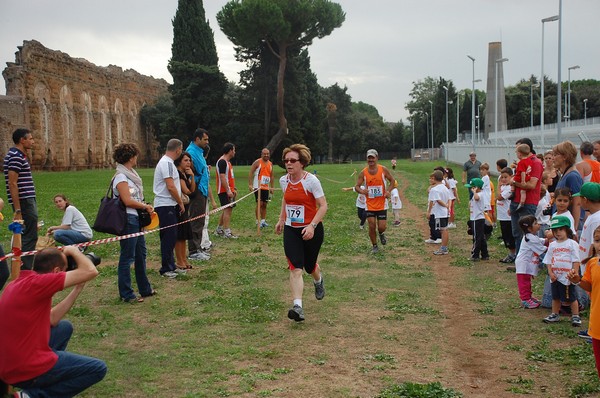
376, 190
588, 167
261, 178
226, 189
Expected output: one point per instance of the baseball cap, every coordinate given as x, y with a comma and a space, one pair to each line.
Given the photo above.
475, 182
590, 190
372, 152
560, 221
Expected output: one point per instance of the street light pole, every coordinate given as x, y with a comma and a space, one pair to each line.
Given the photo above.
569, 91
585, 112
498, 61
431, 105
446, 89
457, 115
427, 122
473, 104
549, 19
536, 85
478, 117
559, 81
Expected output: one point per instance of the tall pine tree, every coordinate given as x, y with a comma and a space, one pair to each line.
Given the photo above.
199, 87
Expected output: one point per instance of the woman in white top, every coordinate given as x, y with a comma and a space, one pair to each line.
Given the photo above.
74, 228
127, 185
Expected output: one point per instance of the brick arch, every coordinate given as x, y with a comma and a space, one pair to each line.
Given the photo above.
134, 118
119, 120
105, 133
67, 118
41, 94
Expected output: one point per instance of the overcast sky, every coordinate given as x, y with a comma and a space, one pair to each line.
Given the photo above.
380, 50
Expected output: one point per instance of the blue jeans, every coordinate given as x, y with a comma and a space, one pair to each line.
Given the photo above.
70, 375
69, 236
30, 231
133, 250
168, 237
514, 220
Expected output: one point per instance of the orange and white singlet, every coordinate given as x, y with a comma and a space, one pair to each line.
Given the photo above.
262, 175
228, 171
594, 176
299, 197
376, 185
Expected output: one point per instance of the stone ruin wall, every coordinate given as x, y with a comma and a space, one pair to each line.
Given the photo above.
75, 110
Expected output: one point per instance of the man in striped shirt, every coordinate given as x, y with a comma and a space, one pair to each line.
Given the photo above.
21, 192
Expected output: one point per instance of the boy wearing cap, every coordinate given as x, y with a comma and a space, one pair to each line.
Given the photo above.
477, 217
377, 190
439, 203
562, 258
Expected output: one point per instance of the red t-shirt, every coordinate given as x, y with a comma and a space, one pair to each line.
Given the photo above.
25, 308
533, 168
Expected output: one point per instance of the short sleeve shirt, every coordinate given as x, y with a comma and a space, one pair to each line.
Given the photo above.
133, 191
472, 169
592, 275
439, 192
299, 198
560, 257
16, 161
533, 168
165, 169
528, 259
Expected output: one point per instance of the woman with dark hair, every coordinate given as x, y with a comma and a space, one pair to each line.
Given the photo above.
74, 228
302, 209
565, 158
188, 188
127, 185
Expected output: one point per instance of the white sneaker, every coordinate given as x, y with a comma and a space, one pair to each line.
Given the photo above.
220, 232
178, 271
170, 275
199, 255
438, 241
430, 241
451, 225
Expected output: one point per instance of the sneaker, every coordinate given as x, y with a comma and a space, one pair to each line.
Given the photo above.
383, 239
169, 274
263, 224
438, 241
199, 255
576, 320
536, 300
361, 226
396, 223
474, 259
375, 250
508, 259
584, 335
451, 225
319, 289
552, 318
296, 313
530, 304
179, 271
430, 241
219, 231
229, 235
440, 252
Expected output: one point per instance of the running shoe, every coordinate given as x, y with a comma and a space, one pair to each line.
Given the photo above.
383, 239
552, 318
296, 313
440, 252
576, 320
530, 304
319, 289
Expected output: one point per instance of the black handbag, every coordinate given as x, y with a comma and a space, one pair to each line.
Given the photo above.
112, 214
144, 217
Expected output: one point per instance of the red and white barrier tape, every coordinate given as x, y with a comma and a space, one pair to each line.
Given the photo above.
123, 237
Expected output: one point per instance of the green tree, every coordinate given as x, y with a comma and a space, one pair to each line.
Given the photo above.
283, 26
348, 138
199, 87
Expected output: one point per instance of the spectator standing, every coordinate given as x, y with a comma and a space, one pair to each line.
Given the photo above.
197, 149
21, 190
565, 157
261, 177
168, 204
531, 188
226, 189
588, 167
471, 170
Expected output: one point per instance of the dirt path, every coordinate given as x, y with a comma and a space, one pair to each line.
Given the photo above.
473, 366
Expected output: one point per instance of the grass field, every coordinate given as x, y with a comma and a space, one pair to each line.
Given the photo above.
402, 323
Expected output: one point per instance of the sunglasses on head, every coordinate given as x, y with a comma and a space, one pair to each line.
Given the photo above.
290, 160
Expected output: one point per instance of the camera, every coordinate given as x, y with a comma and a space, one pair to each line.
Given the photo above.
94, 258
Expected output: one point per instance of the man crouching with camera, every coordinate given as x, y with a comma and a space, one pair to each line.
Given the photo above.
33, 335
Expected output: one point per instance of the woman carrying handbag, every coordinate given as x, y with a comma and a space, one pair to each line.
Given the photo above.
127, 186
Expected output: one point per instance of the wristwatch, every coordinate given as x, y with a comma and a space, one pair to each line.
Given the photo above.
18, 211
314, 225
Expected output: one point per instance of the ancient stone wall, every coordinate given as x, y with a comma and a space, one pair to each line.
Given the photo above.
76, 111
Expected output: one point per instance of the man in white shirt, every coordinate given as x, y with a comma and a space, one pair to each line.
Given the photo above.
167, 204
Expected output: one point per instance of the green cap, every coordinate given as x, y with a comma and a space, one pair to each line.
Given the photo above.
560, 221
590, 190
475, 182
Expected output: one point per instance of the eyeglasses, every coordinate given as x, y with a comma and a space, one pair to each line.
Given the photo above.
290, 160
